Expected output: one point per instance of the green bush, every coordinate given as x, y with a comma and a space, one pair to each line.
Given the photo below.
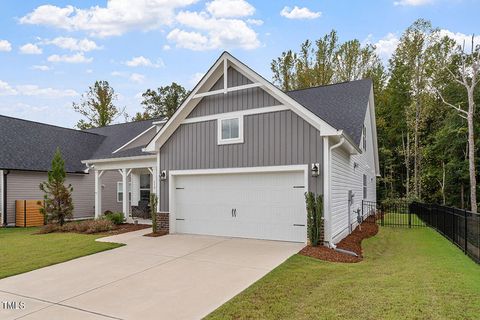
115, 217
314, 217
153, 211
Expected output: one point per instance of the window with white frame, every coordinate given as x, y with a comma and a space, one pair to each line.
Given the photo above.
145, 187
230, 130
364, 186
120, 191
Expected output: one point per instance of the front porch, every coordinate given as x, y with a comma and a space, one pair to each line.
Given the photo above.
138, 179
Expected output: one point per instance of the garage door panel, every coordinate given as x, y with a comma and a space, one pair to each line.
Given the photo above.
268, 205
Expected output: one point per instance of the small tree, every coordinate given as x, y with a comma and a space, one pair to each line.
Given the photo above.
153, 211
314, 217
58, 197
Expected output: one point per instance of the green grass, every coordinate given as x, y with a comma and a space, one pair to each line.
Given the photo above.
406, 274
22, 251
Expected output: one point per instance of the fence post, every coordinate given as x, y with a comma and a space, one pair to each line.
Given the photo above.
382, 214
466, 233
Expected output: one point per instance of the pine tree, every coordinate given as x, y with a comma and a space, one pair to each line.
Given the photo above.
58, 197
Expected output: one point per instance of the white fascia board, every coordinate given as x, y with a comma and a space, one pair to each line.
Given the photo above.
371, 105
181, 114
234, 114
133, 140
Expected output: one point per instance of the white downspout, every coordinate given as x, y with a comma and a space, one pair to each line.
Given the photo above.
329, 193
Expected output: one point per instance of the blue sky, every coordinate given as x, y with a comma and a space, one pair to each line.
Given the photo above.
51, 51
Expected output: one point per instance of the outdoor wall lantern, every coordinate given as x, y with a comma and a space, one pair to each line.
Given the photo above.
355, 165
163, 175
315, 169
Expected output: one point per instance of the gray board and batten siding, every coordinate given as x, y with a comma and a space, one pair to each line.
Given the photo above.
270, 139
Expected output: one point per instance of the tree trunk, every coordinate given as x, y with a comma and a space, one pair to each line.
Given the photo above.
415, 159
471, 152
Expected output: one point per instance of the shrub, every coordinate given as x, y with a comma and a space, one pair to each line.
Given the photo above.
314, 217
85, 226
153, 211
107, 212
115, 217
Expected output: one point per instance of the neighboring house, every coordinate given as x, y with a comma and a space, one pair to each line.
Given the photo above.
26, 152
239, 154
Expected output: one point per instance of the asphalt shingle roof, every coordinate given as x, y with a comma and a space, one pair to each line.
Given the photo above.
117, 135
342, 105
28, 145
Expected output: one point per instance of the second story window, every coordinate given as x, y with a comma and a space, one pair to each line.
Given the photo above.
230, 130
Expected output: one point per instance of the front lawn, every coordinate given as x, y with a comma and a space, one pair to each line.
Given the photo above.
406, 274
22, 251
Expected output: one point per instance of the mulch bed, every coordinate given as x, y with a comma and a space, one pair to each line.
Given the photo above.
127, 227
155, 234
352, 242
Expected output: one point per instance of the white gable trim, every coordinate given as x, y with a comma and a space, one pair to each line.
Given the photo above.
221, 64
133, 140
371, 107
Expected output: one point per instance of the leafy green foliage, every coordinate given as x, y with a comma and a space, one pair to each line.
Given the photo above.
314, 217
97, 106
58, 203
153, 211
163, 102
115, 217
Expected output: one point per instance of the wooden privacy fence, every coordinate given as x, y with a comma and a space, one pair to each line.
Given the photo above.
27, 213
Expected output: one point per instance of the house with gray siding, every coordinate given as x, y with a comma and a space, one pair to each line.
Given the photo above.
239, 154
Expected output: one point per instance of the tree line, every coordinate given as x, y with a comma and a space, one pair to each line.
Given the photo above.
425, 97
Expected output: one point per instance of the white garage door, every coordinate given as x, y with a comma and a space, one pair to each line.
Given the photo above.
249, 205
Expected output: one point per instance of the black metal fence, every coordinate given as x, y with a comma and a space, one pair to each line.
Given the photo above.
393, 213
459, 226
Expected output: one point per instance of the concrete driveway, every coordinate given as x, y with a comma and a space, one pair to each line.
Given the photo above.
170, 277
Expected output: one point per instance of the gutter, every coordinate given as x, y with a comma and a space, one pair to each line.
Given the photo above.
339, 144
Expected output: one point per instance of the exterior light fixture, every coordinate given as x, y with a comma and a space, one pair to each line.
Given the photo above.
163, 175
315, 169
355, 165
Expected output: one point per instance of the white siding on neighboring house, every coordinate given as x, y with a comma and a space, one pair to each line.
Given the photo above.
344, 177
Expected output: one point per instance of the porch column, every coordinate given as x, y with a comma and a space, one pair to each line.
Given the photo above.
155, 184
98, 193
125, 201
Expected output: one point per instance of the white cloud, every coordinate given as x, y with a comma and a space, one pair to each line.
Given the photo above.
6, 89
255, 22
74, 58
5, 46
412, 3
89, 71
141, 61
299, 13
230, 8
30, 48
22, 108
117, 74
386, 46
166, 47
137, 77
41, 67
34, 90
114, 19
217, 33
461, 39
73, 44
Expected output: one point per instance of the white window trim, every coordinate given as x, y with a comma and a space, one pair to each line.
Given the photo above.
221, 141
121, 190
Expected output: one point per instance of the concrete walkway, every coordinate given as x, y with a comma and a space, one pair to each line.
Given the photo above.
170, 277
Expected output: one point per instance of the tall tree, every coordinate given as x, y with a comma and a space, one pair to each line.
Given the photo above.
467, 75
97, 106
163, 102
326, 63
58, 197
